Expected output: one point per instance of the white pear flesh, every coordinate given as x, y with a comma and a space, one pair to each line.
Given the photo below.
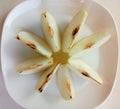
38, 62
45, 78
90, 42
85, 70
64, 82
51, 31
35, 42
73, 30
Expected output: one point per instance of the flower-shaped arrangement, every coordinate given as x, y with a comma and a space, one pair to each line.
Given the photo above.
60, 54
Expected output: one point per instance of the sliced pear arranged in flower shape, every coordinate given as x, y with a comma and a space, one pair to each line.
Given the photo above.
64, 82
46, 77
93, 41
85, 70
35, 42
61, 54
38, 62
50, 30
73, 30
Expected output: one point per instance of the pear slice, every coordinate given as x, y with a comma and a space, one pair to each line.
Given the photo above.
45, 78
50, 30
73, 30
93, 41
34, 63
85, 70
64, 82
35, 42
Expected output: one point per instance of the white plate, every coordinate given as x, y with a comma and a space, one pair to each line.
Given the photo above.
27, 16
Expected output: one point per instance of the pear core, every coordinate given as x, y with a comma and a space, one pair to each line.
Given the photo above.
60, 57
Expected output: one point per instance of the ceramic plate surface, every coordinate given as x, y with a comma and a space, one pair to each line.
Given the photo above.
87, 94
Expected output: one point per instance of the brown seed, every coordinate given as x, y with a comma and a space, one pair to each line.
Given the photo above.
85, 74
44, 14
40, 89
75, 31
48, 75
70, 97
31, 45
50, 31
17, 38
44, 83
30, 67
89, 45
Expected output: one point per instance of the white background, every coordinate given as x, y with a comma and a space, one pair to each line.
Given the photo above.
112, 102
